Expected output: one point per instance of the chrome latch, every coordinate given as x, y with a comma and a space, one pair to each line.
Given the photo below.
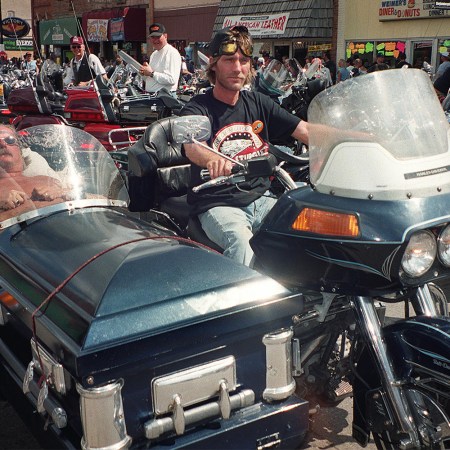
271, 441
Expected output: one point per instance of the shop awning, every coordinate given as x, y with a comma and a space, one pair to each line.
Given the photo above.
58, 31
279, 19
115, 24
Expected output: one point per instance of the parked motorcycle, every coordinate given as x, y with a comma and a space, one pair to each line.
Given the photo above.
370, 227
116, 333
98, 108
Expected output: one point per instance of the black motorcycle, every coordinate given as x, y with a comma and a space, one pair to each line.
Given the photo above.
371, 227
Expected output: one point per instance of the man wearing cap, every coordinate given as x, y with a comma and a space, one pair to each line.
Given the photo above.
164, 68
82, 68
29, 64
243, 123
445, 64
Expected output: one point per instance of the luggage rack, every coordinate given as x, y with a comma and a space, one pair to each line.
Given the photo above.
122, 138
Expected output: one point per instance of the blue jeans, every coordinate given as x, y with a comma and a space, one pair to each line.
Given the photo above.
232, 227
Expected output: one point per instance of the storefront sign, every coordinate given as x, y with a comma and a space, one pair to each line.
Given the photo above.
319, 48
57, 32
97, 30
445, 4
410, 9
14, 27
267, 24
18, 44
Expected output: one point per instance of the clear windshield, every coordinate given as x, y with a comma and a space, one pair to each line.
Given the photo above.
379, 133
60, 167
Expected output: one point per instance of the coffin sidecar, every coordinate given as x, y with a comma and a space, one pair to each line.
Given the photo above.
122, 335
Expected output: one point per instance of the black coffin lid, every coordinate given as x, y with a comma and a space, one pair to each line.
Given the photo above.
137, 289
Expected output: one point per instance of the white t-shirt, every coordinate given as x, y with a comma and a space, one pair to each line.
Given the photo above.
36, 165
166, 64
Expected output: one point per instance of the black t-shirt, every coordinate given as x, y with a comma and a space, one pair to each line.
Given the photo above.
241, 131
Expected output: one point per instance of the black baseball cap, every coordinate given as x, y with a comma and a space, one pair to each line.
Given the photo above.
156, 29
222, 36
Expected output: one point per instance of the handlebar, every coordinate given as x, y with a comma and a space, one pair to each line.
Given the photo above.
262, 166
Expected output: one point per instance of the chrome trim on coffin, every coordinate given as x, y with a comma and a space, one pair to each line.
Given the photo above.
193, 385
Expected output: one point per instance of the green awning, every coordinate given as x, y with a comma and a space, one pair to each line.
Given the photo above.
58, 31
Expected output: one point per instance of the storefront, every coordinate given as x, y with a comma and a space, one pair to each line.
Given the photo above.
110, 30
54, 36
414, 27
293, 29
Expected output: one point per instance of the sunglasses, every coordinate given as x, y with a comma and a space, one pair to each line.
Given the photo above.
231, 46
75, 46
9, 140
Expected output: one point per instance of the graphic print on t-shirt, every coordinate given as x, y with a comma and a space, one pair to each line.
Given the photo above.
239, 141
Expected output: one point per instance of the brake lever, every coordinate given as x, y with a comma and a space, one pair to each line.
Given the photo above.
205, 176
229, 179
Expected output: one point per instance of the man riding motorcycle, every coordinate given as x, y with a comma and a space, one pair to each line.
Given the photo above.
243, 123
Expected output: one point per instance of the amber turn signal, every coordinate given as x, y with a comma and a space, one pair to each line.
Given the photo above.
8, 300
326, 223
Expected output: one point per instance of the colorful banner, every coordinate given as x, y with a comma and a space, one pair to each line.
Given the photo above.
97, 30
267, 24
410, 9
116, 29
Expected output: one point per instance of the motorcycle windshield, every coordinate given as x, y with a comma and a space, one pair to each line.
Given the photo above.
274, 78
52, 168
383, 135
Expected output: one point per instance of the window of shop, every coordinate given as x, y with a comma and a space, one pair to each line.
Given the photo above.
363, 50
367, 51
391, 51
282, 49
300, 51
421, 53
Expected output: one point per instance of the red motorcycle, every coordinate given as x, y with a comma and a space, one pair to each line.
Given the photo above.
97, 108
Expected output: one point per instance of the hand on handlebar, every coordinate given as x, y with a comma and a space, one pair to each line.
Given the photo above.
219, 167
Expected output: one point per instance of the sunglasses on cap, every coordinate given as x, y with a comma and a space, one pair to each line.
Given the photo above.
9, 140
231, 45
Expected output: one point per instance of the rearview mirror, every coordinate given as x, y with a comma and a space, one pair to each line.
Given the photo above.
187, 129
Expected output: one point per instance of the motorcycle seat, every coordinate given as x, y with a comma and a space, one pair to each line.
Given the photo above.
157, 168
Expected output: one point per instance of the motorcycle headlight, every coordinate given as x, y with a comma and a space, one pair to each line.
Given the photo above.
419, 254
444, 246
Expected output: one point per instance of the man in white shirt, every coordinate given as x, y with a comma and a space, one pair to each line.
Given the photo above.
83, 67
164, 68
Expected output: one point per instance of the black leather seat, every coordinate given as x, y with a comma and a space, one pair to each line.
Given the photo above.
159, 177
